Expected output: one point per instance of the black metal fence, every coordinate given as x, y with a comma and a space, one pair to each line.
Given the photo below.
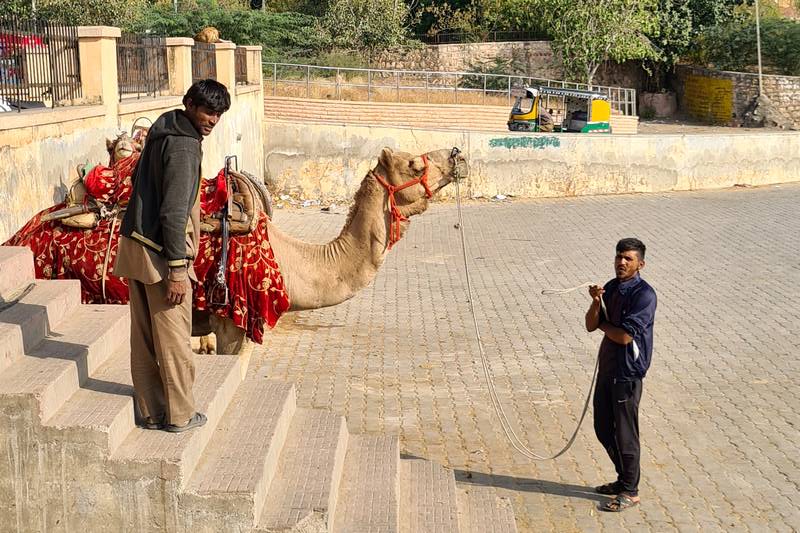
240, 56
492, 36
142, 66
204, 61
39, 64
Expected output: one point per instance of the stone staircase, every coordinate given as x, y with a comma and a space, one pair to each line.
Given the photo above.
71, 458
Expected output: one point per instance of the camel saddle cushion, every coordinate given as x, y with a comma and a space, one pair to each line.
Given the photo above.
243, 205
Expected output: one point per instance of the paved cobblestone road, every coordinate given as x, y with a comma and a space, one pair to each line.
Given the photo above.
720, 417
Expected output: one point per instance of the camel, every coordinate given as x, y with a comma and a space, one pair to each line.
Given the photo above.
322, 275
313, 275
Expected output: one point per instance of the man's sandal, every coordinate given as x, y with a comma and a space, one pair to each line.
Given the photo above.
197, 420
618, 504
609, 489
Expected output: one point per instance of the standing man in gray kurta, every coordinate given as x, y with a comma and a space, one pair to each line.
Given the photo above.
158, 241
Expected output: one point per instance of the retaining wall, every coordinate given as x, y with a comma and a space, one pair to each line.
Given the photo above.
328, 161
723, 97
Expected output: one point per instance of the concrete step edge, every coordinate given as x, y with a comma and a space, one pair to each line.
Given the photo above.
310, 464
428, 498
56, 367
173, 456
369, 493
256, 421
101, 410
482, 510
41, 306
16, 270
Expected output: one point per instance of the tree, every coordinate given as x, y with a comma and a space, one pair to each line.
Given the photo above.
590, 32
369, 25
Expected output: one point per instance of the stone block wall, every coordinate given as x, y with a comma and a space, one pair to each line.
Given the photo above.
723, 97
525, 58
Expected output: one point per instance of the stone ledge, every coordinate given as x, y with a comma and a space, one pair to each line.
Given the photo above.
225, 46
42, 117
180, 41
247, 89
99, 32
250, 47
138, 105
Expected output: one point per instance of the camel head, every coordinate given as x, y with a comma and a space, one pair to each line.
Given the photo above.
416, 179
121, 147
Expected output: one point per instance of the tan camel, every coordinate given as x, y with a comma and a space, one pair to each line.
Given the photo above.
322, 275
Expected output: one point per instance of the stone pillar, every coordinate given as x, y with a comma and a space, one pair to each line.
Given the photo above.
179, 64
226, 65
255, 73
97, 46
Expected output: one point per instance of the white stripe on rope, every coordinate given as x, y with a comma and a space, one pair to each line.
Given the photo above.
511, 435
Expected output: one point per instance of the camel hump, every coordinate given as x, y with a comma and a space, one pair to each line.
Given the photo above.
262, 193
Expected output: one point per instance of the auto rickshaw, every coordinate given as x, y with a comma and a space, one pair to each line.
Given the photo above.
549, 109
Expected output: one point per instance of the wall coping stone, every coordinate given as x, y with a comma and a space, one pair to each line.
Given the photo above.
225, 46
735, 73
99, 32
245, 89
180, 41
42, 117
134, 105
251, 47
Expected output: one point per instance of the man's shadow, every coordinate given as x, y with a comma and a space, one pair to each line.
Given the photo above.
522, 484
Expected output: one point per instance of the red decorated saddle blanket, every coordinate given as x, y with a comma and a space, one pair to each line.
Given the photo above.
257, 296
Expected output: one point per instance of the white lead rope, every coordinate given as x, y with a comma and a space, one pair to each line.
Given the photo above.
511, 435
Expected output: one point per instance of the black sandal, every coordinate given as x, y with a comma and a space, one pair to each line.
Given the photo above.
609, 489
618, 504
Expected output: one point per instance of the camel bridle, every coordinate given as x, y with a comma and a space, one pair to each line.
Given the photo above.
396, 216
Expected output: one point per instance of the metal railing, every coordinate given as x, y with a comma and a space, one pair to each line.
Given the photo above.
412, 86
39, 64
492, 36
142, 66
240, 61
204, 61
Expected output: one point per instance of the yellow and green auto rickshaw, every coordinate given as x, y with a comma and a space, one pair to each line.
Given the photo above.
557, 109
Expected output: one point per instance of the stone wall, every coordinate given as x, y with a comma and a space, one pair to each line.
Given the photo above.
524, 58
723, 97
328, 161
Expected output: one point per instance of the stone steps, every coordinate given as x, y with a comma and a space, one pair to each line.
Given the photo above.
304, 492
40, 306
173, 456
241, 460
16, 270
71, 457
481, 510
428, 497
54, 369
369, 494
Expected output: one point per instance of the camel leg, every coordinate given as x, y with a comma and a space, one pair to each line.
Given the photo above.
232, 340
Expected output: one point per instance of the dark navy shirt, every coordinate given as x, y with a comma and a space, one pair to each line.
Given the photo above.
631, 305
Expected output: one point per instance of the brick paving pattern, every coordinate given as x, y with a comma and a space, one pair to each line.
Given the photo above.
720, 412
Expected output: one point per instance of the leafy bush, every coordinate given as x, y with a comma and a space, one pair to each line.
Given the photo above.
732, 46
285, 34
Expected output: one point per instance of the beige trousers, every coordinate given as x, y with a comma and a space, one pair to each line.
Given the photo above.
162, 361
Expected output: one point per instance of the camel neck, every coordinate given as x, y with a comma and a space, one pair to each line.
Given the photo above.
321, 275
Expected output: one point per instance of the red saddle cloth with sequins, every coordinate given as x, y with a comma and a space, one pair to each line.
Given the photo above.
257, 295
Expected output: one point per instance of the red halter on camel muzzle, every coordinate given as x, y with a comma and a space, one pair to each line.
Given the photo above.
397, 216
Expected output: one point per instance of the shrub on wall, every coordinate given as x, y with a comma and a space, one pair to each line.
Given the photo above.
732, 46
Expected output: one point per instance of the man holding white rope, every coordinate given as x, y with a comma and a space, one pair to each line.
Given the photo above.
626, 319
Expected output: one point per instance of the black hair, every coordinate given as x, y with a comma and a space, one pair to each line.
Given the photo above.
210, 94
631, 243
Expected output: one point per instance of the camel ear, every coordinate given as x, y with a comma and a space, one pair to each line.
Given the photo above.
386, 158
109, 144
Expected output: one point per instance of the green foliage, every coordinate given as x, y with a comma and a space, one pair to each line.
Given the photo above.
286, 35
369, 25
732, 46
81, 12
589, 32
